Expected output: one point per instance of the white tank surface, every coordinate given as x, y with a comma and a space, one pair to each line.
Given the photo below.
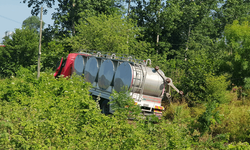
127, 76
154, 83
91, 70
106, 73
79, 65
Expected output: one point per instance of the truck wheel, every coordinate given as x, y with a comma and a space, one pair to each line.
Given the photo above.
105, 107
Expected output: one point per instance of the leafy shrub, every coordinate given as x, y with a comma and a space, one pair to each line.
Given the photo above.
239, 146
216, 89
197, 110
200, 82
235, 120
247, 83
209, 142
48, 113
52, 53
124, 106
179, 113
167, 135
21, 50
194, 80
205, 87
209, 117
44, 113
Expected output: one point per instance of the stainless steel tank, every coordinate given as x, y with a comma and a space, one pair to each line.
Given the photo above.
107, 72
127, 76
154, 83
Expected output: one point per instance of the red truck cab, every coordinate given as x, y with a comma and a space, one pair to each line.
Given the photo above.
65, 66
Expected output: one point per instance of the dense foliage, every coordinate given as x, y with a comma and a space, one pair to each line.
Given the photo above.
48, 113
21, 49
109, 33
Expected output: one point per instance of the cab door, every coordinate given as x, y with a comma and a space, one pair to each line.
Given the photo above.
59, 68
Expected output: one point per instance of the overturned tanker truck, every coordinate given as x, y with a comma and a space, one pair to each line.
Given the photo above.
106, 73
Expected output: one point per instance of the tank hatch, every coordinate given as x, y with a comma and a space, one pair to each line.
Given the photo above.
123, 77
91, 70
106, 74
79, 65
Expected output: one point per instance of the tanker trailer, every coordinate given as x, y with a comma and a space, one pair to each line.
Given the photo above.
107, 73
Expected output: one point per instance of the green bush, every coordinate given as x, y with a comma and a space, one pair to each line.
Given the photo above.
178, 113
209, 117
124, 106
239, 146
235, 120
216, 89
20, 50
51, 54
205, 87
48, 113
194, 80
167, 135
44, 113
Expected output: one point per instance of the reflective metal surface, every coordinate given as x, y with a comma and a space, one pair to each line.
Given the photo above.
123, 77
79, 65
106, 74
91, 69
154, 83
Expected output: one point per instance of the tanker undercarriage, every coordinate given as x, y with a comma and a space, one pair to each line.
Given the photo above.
108, 72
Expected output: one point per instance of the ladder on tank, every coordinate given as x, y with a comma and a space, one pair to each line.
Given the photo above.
140, 72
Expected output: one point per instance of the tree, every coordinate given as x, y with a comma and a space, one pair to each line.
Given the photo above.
233, 10
69, 12
177, 23
32, 22
237, 45
20, 50
109, 33
51, 53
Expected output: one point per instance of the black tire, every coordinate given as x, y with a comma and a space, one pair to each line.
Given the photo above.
105, 107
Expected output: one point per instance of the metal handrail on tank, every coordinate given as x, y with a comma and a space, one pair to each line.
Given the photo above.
129, 58
135, 79
99, 54
139, 76
148, 60
113, 56
144, 70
